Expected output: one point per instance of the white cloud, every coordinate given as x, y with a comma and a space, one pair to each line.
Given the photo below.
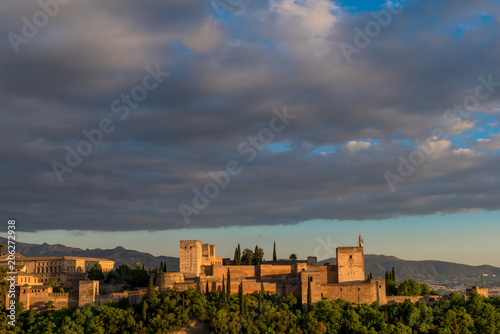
306, 24
204, 38
466, 152
489, 144
355, 146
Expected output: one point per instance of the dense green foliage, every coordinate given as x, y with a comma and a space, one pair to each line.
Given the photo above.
124, 274
95, 273
266, 313
413, 288
247, 257
258, 255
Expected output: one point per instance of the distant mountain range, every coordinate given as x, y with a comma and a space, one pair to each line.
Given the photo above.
118, 254
424, 271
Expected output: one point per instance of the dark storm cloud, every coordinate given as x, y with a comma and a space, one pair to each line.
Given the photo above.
225, 79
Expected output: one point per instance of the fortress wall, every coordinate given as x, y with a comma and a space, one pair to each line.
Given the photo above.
237, 272
357, 293
292, 288
164, 280
272, 270
38, 300
351, 264
329, 274
297, 267
87, 291
134, 297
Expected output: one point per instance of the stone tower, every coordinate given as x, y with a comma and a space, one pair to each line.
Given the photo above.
351, 264
190, 260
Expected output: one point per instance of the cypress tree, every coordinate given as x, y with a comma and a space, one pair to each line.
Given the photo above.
31, 316
239, 254
144, 310
309, 295
393, 274
256, 258
274, 252
240, 296
151, 290
206, 289
223, 291
165, 267
235, 261
228, 290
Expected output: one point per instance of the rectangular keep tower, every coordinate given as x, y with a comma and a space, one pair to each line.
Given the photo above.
351, 264
190, 259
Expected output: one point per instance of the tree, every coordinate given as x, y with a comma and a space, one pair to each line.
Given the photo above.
151, 294
247, 256
409, 287
95, 273
240, 297
390, 284
309, 294
237, 256
206, 289
228, 283
144, 310
293, 257
245, 306
258, 255
49, 304
54, 283
31, 316
223, 291
274, 252
457, 322
425, 290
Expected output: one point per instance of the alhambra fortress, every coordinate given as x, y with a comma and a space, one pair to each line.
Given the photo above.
199, 265
201, 268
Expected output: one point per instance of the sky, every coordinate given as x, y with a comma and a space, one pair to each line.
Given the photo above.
142, 123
